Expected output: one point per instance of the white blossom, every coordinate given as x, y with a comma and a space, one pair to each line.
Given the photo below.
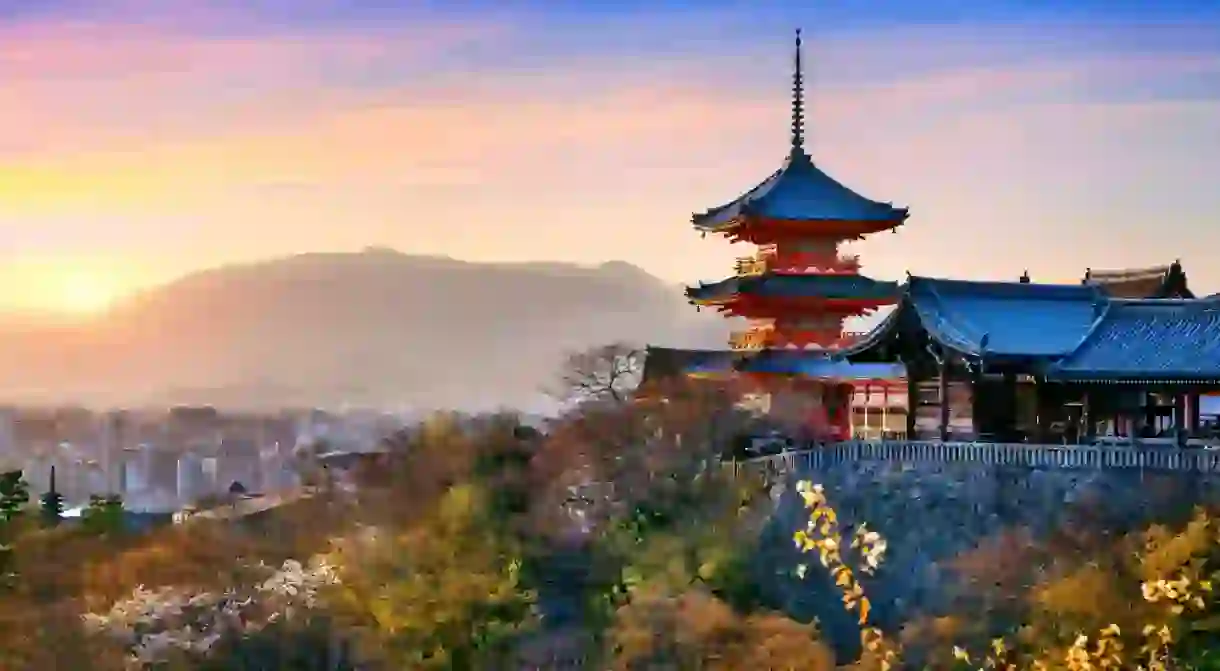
153, 624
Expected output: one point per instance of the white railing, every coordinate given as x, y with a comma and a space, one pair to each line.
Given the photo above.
1085, 457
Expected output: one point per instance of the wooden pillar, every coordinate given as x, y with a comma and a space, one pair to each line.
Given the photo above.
1180, 421
1086, 418
912, 401
1042, 402
885, 408
1009, 422
943, 382
851, 424
1149, 422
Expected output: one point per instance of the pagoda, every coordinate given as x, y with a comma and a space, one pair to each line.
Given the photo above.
797, 289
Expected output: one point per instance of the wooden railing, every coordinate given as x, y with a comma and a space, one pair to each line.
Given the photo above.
760, 337
1081, 457
748, 339
760, 263
747, 266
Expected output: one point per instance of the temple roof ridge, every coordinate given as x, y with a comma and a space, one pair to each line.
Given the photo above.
1003, 288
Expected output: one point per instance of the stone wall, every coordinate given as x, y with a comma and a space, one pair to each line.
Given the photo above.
931, 511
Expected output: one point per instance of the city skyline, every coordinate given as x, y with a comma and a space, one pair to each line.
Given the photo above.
143, 140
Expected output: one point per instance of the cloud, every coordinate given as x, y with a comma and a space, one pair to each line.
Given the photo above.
486, 128
224, 142
75, 84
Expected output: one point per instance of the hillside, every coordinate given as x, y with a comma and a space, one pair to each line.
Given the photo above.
371, 328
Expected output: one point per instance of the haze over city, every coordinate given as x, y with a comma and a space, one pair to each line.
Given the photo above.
145, 140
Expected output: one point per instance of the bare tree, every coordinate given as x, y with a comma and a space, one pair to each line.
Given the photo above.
658, 450
603, 373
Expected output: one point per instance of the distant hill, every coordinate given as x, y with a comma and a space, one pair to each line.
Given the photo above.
373, 328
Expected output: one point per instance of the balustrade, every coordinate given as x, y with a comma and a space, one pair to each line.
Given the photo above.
796, 263
1083, 457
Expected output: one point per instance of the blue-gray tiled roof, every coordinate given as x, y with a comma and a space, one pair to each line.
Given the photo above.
843, 287
818, 365
1148, 341
1016, 319
800, 191
808, 364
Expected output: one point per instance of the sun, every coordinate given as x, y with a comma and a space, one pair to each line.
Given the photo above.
86, 293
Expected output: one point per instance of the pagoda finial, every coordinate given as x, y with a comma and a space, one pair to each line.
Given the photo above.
798, 100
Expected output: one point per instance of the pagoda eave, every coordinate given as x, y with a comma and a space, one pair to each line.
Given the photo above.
766, 307
767, 230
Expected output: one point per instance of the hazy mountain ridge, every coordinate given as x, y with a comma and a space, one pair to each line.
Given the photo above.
371, 328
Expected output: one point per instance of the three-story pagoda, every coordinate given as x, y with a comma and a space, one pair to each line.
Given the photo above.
797, 289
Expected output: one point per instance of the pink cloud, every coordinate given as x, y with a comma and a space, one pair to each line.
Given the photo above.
506, 132
71, 85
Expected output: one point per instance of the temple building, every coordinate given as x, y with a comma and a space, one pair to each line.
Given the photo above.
1051, 363
797, 289
1120, 355
1155, 282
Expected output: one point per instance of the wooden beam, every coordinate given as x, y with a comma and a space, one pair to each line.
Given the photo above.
943, 382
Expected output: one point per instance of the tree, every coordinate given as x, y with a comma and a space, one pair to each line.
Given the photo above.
604, 373
697, 631
14, 494
444, 593
103, 515
661, 453
309, 467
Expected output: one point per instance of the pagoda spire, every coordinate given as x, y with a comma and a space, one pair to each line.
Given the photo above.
798, 100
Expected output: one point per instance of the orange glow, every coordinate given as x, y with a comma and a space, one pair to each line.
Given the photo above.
84, 293
67, 287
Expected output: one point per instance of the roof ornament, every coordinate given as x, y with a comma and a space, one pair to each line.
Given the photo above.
798, 101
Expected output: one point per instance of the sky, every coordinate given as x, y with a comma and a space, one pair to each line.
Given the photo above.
144, 139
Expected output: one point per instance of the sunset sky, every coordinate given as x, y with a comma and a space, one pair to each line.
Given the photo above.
143, 139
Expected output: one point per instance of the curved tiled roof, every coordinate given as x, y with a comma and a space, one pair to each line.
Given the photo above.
665, 362
800, 191
1005, 318
843, 287
818, 365
1168, 281
1149, 340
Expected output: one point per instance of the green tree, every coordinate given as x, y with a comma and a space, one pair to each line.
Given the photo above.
446, 593
103, 515
14, 494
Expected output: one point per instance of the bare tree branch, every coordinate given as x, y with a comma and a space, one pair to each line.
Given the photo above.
604, 373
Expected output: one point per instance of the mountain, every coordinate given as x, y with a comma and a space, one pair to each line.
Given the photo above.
376, 328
